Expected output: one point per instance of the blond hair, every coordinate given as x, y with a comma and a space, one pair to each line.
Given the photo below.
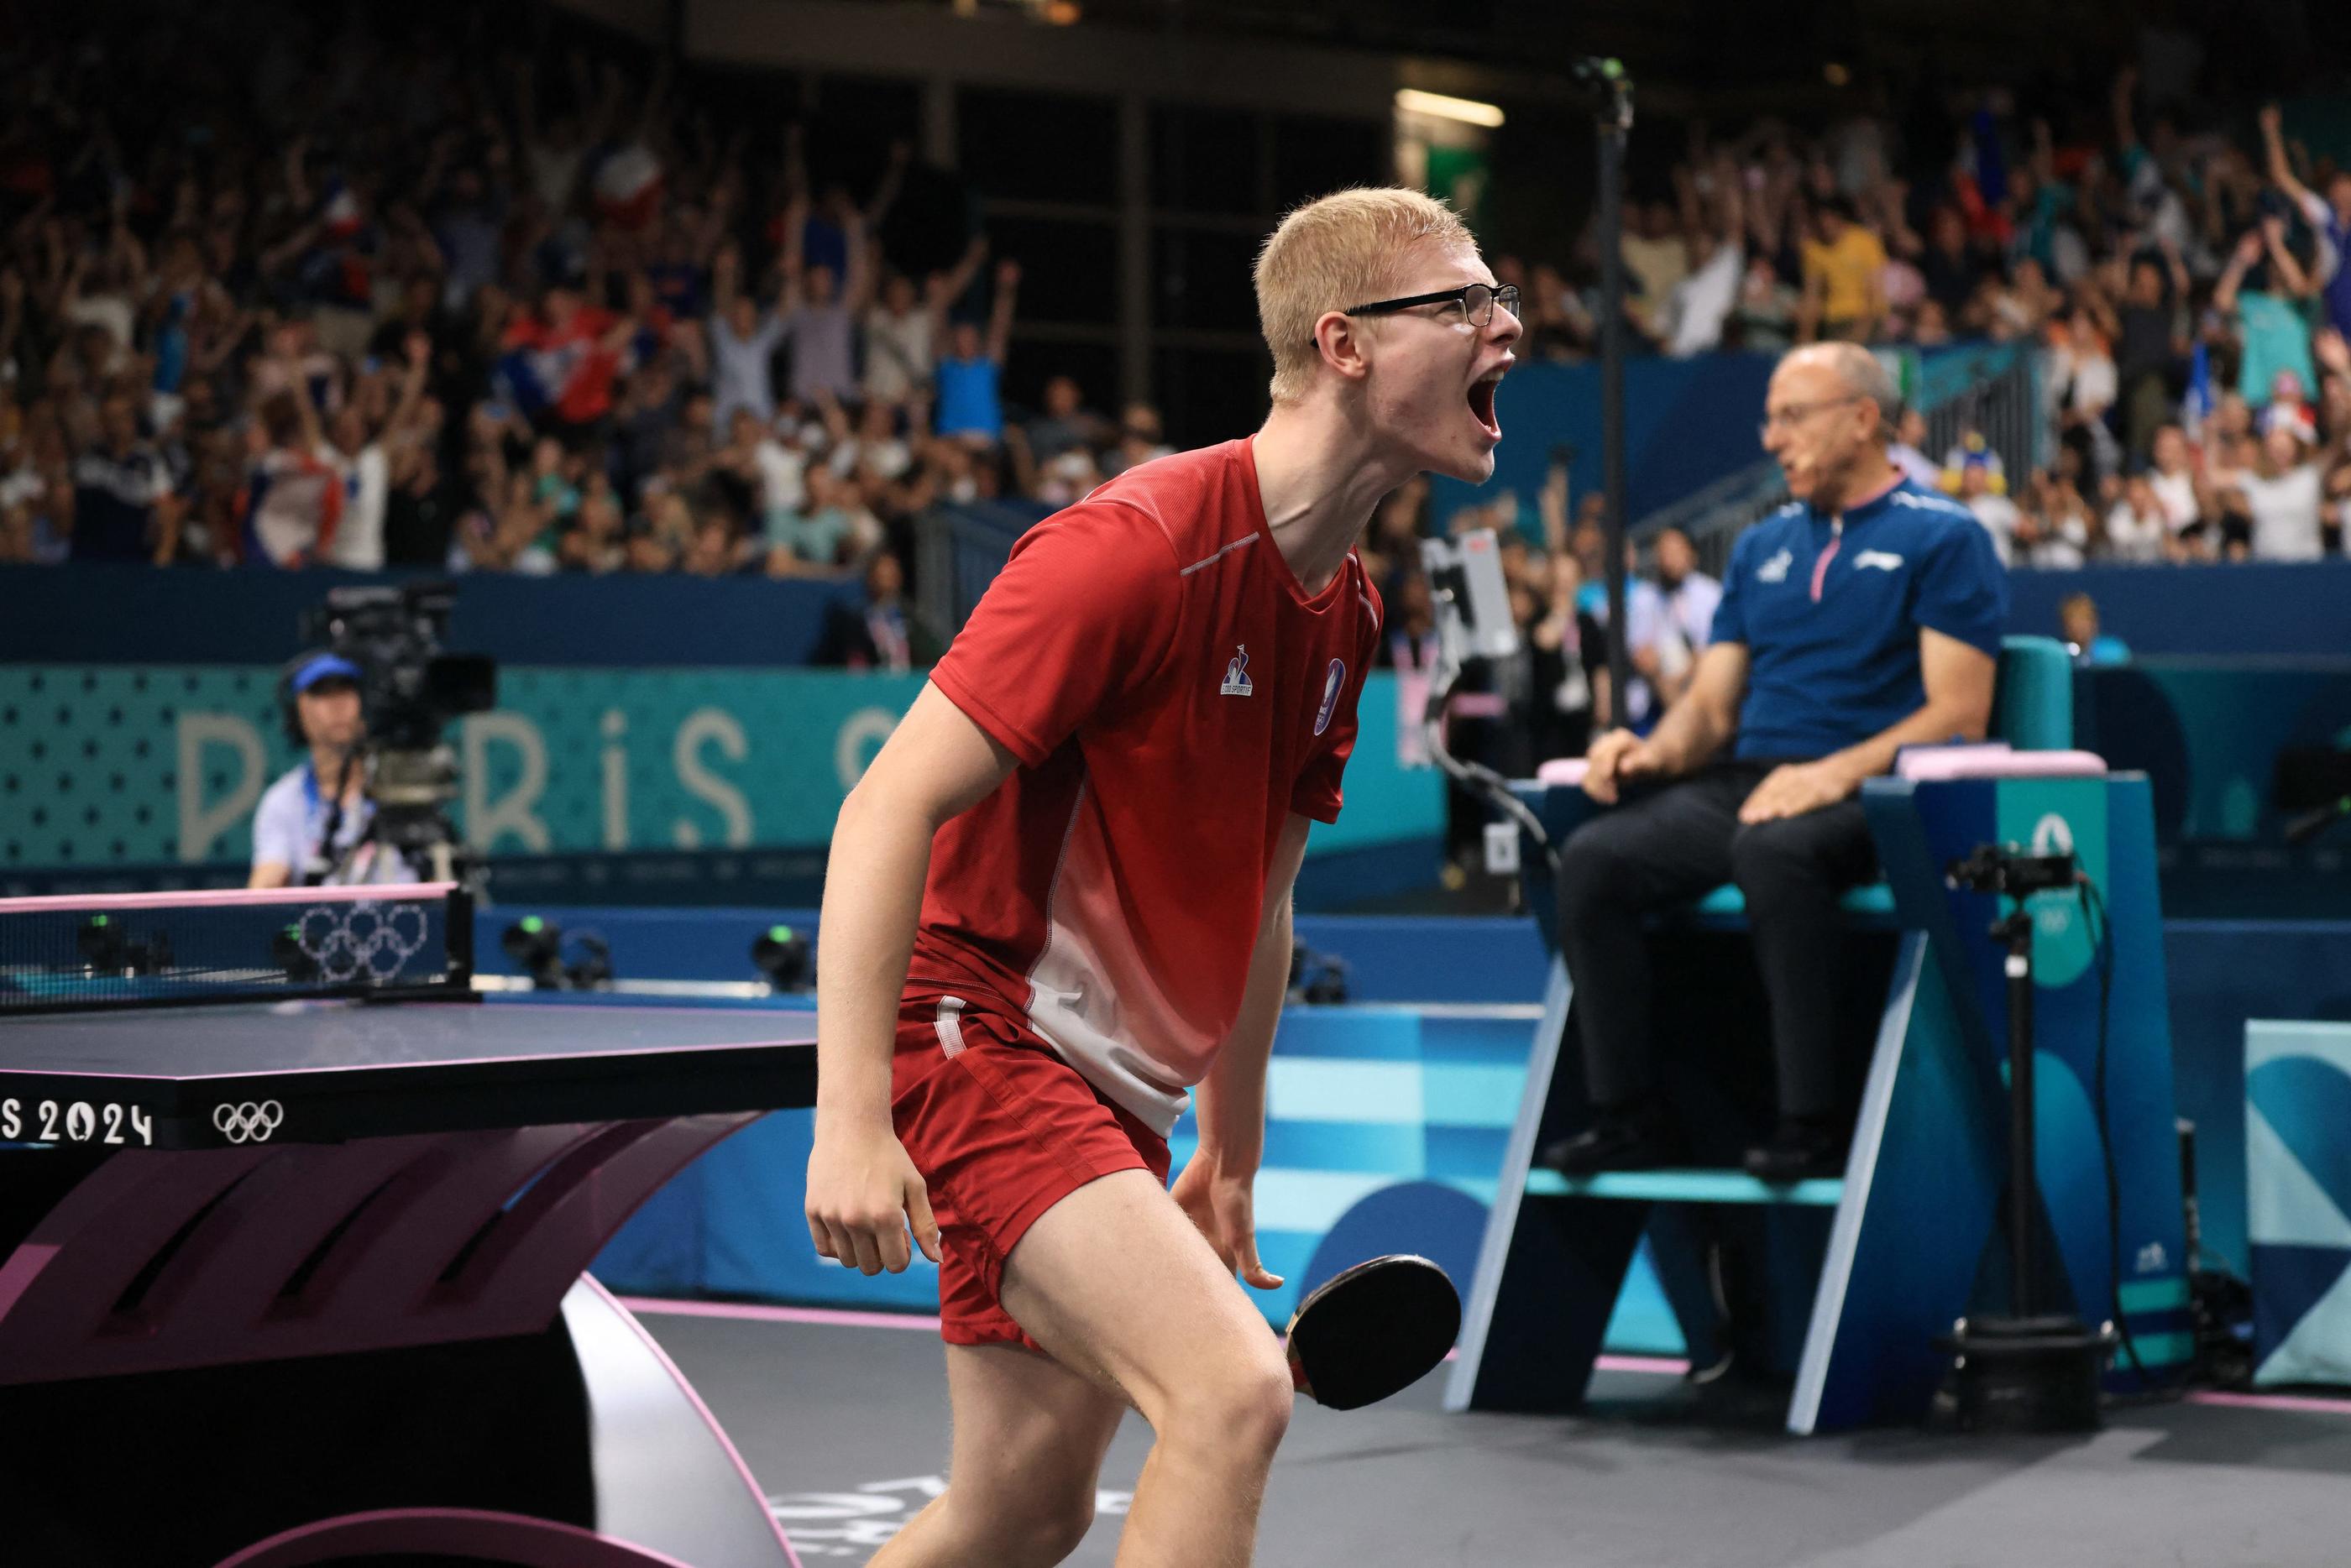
1340, 250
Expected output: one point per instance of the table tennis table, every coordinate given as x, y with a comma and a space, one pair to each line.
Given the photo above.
300, 1281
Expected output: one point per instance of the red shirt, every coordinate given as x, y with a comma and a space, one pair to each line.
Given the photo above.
1172, 695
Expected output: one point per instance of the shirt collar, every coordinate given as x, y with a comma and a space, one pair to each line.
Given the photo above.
1869, 506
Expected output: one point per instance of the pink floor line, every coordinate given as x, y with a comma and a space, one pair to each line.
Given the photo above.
753, 1311
831, 1317
2272, 1402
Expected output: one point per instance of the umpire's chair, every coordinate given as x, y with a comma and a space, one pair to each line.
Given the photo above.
1773, 1277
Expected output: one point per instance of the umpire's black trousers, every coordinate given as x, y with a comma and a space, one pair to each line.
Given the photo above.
1670, 845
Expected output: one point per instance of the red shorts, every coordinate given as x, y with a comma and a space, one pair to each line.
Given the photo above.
1002, 1129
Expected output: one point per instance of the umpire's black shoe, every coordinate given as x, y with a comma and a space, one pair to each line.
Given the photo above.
1800, 1149
1639, 1140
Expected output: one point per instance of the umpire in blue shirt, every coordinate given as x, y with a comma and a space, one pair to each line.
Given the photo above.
1863, 616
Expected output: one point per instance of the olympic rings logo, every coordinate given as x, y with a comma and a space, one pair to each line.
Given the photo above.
364, 938
250, 1122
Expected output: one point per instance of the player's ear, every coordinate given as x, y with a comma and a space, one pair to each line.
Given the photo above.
1344, 344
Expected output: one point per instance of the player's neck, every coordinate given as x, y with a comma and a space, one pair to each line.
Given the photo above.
1320, 480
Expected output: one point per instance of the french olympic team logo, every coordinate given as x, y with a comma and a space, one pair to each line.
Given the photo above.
1330, 685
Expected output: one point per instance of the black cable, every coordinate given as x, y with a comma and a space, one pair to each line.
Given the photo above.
2093, 902
323, 853
1477, 776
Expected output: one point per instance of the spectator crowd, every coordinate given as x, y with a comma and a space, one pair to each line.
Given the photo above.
332, 298
2185, 287
318, 296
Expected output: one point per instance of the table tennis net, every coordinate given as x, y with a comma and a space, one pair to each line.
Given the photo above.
146, 949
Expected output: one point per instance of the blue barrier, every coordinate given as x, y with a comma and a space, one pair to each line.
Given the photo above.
95, 614
2269, 610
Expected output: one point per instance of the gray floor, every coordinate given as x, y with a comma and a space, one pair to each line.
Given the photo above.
846, 1428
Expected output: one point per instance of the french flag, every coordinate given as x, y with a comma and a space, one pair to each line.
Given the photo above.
2198, 406
629, 188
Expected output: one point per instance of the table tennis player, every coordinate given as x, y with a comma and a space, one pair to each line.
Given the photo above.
1059, 903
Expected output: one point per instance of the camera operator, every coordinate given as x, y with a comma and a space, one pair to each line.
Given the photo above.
312, 824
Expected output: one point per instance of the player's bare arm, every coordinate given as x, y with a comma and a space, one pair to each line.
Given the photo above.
864, 1192
1216, 1187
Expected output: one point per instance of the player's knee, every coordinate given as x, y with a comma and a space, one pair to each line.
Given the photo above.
1032, 1527
1055, 1531
1243, 1408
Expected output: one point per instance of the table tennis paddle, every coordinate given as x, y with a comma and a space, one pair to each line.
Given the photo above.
1372, 1330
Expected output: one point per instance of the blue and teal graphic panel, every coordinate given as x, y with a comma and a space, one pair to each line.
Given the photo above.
145, 765
2298, 1200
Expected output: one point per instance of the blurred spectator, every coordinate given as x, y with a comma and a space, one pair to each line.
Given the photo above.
2279, 495
1766, 313
903, 331
970, 406
882, 632
292, 501
819, 312
2173, 482
1909, 431
2137, 530
2078, 622
2150, 336
124, 507
1668, 624
1066, 424
2329, 215
831, 529
2053, 530
1568, 652
2261, 285
1656, 260
743, 344
1138, 440
1844, 268
1982, 491
357, 450
1702, 302
561, 359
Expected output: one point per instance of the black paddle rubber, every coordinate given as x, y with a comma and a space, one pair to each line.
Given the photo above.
1372, 1330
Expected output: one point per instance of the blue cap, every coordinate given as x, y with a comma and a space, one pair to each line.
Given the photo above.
325, 667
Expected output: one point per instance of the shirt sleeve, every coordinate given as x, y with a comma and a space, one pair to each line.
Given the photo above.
277, 830
1730, 612
1317, 795
1082, 614
1961, 589
1643, 611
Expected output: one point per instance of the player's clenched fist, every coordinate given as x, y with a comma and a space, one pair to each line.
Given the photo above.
863, 1193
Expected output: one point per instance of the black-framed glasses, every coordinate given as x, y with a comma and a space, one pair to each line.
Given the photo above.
1477, 301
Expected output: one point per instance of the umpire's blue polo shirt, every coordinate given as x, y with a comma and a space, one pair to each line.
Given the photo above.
1829, 605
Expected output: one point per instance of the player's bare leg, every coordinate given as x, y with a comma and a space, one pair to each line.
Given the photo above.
1029, 1437
1115, 1281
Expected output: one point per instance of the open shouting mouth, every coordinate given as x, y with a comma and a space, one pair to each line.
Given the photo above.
1481, 402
